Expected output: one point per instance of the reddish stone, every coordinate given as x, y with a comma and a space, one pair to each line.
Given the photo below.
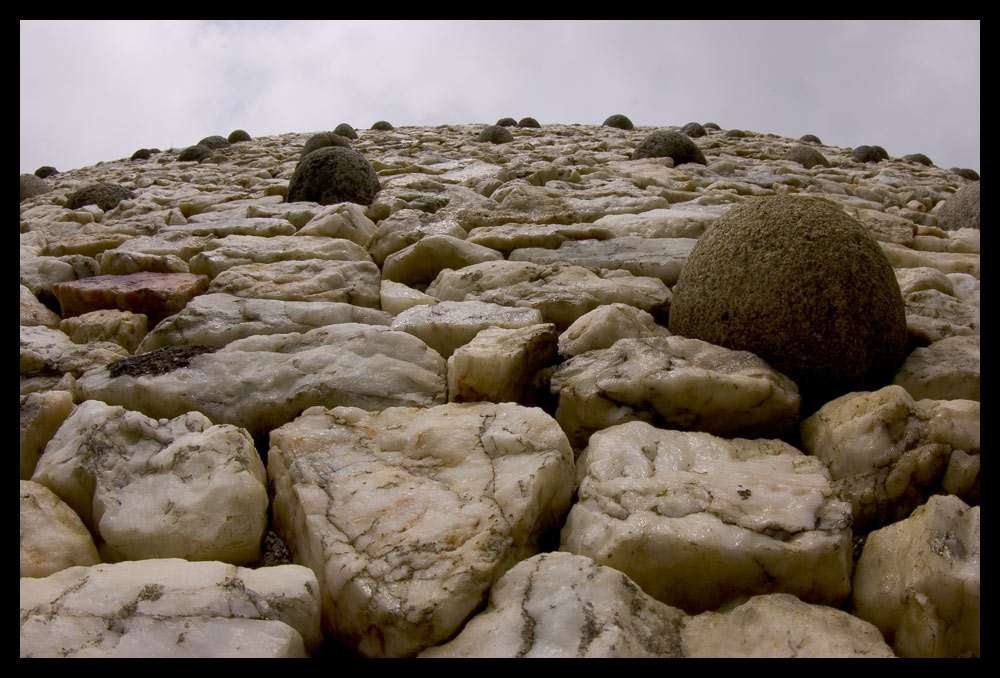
157, 295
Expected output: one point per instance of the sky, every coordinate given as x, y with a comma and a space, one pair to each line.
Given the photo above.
94, 91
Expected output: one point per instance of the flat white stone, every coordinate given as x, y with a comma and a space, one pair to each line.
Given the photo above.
237, 250
605, 325
418, 264
918, 581
221, 227
397, 297
933, 315
408, 516
661, 258
52, 536
499, 364
659, 223
45, 351
404, 228
352, 282
449, 324
697, 520
170, 608
508, 237
945, 370
159, 489
946, 262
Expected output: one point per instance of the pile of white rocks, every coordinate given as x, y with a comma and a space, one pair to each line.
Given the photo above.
455, 422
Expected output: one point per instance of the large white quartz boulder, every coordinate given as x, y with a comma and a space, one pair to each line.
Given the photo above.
41, 415
945, 370
170, 608
499, 364
918, 581
218, 319
47, 351
408, 516
697, 520
605, 325
237, 250
564, 605
264, 381
352, 282
688, 383
52, 535
779, 625
449, 324
404, 228
661, 258
887, 453
159, 489
418, 264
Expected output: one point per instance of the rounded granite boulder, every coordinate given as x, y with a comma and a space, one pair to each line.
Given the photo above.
919, 158
105, 196
694, 130
215, 142
810, 139
32, 186
495, 134
346, 131
142, 154
807, 156
869, 154
528, 122
803, 285
195, 153
238, 135
507, 122
618, 121
322, 140
962, 209
965, 173
669, 144
46, 171
712, 126
383, 126
333, 175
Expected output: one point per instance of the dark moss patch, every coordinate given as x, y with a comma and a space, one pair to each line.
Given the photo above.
160, 361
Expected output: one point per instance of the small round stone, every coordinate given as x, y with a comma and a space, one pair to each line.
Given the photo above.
346, 131
918, 158
803, 285
383, 126
669, 144
507, 122
142, 154
528, 122
807, 156
619, 121
105, 196
962, 209
495, 134
238, 135
970, 174
869, 154
32, 186
694, 130
810, 139
333, 175
712, 125
322, 140
46, 171
195, 153
214, 142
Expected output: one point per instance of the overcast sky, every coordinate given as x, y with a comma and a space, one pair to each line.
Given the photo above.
93, 91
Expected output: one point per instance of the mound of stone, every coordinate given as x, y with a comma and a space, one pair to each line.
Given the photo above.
806, 156
106, 196
195, 153
669, 144
142, 154
496, 134
618, 121
801, 284
383, 126
918, 158
32, 186
970, 174
46, 171
869, 154
332, 175
238, 135
215, 142
962, 209
694, 130
507, 122
322, 140
810, 139
528, 122
345, 130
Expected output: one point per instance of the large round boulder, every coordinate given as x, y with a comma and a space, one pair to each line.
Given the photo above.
238, 135
803, 285
669, 144
507, 122
807, 156
694, 130
32, 186
962, 209
333, 175
528, 122
346, 131
105, 196
966, 173
495, 134
215, 142
810, 139
195, 153
383, 126
869, 154
322, 140
618, 121
46, 171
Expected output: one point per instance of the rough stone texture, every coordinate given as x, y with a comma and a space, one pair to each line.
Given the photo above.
214, 142
238, 135
417, 265
415, 510
563, 605
946, 262
181, 488
195, 153
32, 187
495, 134
352, 282
33, 312
45, 351
929, 607
237, 250
962, 209
946, 370
528, 122
697, 521
807, 156
323, 140
449, 324
41, 415
397, 297
694, 130
933, 315
887, 453
869, 154
677, 382
262, 382
124, 328
499, 364
346, 131
667, 144
619, 121
52, 536
346, 220
155, 295
802, 285
333, 175
105, 196
919, 158
605, 325
383, 126
170, 608
405, 228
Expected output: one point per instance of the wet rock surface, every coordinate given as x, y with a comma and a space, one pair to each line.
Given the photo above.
420, 489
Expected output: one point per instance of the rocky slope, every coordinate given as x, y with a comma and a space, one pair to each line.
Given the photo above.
260, 427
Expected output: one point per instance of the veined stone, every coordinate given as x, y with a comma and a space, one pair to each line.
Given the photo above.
498, 364
120, 327
236, 250
170, 608
932, 315
966, 287
560, 292
41, 416
408, 516
345, 220
218, 319
166, 244
396, 297
946, 262
697, 520
155, 295
887, 453
449, 324
661, 258
52, 535
46, 352
33, 312
88, 244
923, 278
605, 325
563, 605
404, 228
352, 282
418, 264
262, 382
181, 488
918, 581
688, 383
946, 370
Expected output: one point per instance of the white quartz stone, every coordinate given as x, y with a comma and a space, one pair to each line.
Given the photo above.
237, 250
352, 282
605, 325
946, 262
41, 416
33, 312
418, 264
945, 370
661, 258
499, 364
52, 535
397, 297
47, 351
449, 324
124, 328
344, 220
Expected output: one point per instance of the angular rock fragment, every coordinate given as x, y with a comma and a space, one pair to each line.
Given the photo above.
120, 327
352, 282
605, 325
697, 520
449, 324
181, 488
220, 228
52, 535
237, 250
887, 453
218, 319
404, 228
922, 278
418, 264
408, 516
41, 416
918, 581
170, 608
659, 223
396, 297
932, 315
562, 293
564, 605
155, 295
946, 370
780, 625
346, 220
262, 382
41, 274
499, 364
33, 312
687, 383
48, 352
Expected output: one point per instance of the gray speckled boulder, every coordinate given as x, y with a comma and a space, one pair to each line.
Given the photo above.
105, 196
619, 121
495, 134
669, 144
333, 175
806, 156
322, 140
346, 131
962, 209
32, 186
